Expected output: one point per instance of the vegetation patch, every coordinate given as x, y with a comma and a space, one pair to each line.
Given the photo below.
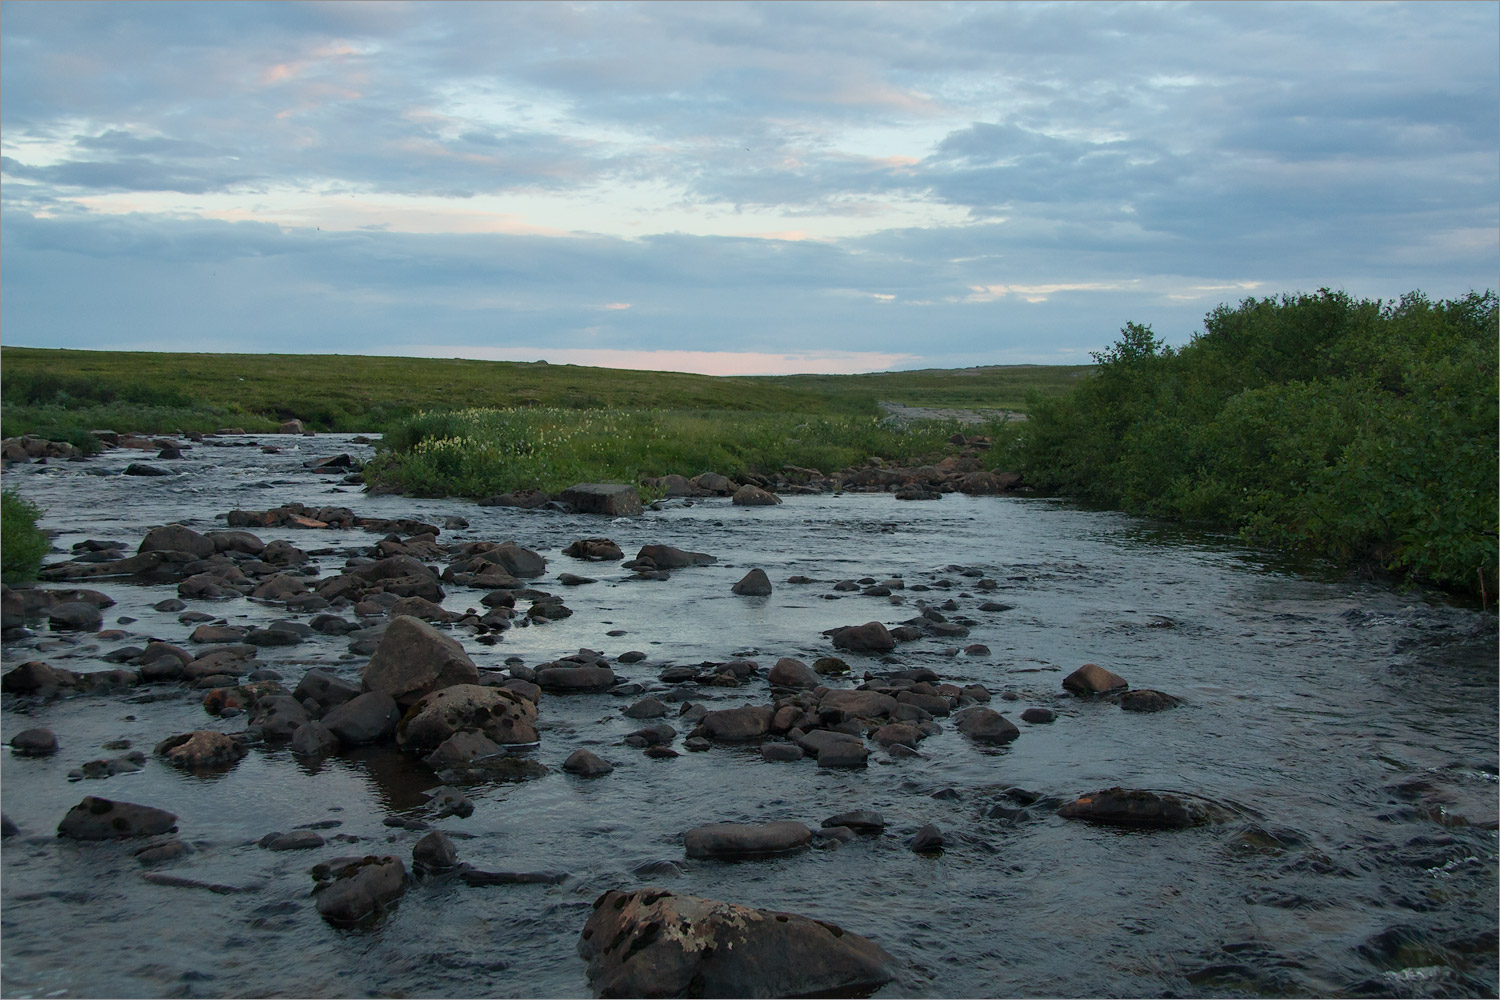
1361, 431
22, 543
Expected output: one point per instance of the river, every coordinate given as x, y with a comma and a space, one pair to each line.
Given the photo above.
1346, 731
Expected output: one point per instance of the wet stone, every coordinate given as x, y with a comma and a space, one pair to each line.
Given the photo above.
34, 743
1147, 700
1091, 679
1038, 716
740, 840
587, 764
928, 840
781, 752
297, 840
103, 819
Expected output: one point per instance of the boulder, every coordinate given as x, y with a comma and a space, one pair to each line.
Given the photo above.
279, 717
858, 704
871, 637
103, 819
369, 717
858, 820
844, 754
754, 496
985, 725
177, 538
792, 673
928, 840
38, 678
746, 723
1038, 716
415, 659
1091, 679
74, 616
363, 890
781, 752
201, 750
594, 550
754, 584
517, 561
667, 557
434, 854
651, 942
741, 840
326, 690
572, 679
897, 732
314, 740
290, 427
587, 764
297, 840
499, 715
1137, 808
462, 749
646, 708
1147, 700
34, 743
609, 499
712, 482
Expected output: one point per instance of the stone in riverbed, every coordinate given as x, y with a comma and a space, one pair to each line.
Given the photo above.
587, 764
859, 820
742, 840
609, 499
754, 496
871, 637
781, 752
646, 708
853, 754
928, 840
1147, 700
792, 673
667, 557
104, 819
1091, 679
415, 659
581, 678
34, 743
326, 690
434, 854
1038, 716
1137, 808
754, 584
861, 704
314, 740
75, 616
985, 725
201, 750
371, 716
499, 715
594, 550
362, 891
297, 840
746, 723
656, 943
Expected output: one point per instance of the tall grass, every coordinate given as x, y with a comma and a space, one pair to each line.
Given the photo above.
480, 452
22, 543
73, 423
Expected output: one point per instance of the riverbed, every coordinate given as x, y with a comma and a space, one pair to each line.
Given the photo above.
1344, 731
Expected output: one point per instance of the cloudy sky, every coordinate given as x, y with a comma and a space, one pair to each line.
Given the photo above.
729, 187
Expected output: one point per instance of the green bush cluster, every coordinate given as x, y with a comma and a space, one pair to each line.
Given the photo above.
480, 452
1359, 430
22, 543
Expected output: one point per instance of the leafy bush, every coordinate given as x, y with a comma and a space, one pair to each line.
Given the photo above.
22, 543
1358, 430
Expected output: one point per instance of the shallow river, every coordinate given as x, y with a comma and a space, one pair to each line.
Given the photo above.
1348, 730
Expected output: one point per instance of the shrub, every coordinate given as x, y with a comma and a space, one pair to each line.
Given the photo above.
22, 543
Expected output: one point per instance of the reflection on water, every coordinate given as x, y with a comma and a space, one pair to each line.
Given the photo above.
1347, 732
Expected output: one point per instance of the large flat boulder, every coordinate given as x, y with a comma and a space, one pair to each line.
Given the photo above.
744, 840
746, 723
1137, 808
871, 637
654, 943
104, 819
501, 716
668, 557
414, 659
609, 499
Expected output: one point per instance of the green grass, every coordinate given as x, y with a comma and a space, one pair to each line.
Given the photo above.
22, 543
161, 392
476, 453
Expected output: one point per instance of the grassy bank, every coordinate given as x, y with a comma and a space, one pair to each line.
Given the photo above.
1358, 430
476, 453
22, 544
161, 392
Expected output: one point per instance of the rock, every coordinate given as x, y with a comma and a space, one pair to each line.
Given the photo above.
177, 538
985, 725
314, 740
499, 715
297, 840
655, 943
646, 708
858, 704
660, 734
754, 584
712, 482
1092, 679
853, 754
1147, 700
667, 557
754, 496
279, 717
573, 580
217, 633
791, 673
525, 499
1038, 716
1136, 808
34, 743
201, 750
897, 732
586, 764
871, 637
932, 704
74, 616
572, 679
414, 659
928, 840
8, 827
781, 752
830, 666
369, 717
447, 801
609, 499
290, 427
746, 723
362, 891
594, 550
142, 469
740, 840
325, 689
102, 819
461, 749
674, 485
162, 851
434, 854
859, 820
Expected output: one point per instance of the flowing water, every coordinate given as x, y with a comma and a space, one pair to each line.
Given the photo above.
1347, 732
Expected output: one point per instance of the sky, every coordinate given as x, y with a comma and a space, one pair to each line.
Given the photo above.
729, 188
